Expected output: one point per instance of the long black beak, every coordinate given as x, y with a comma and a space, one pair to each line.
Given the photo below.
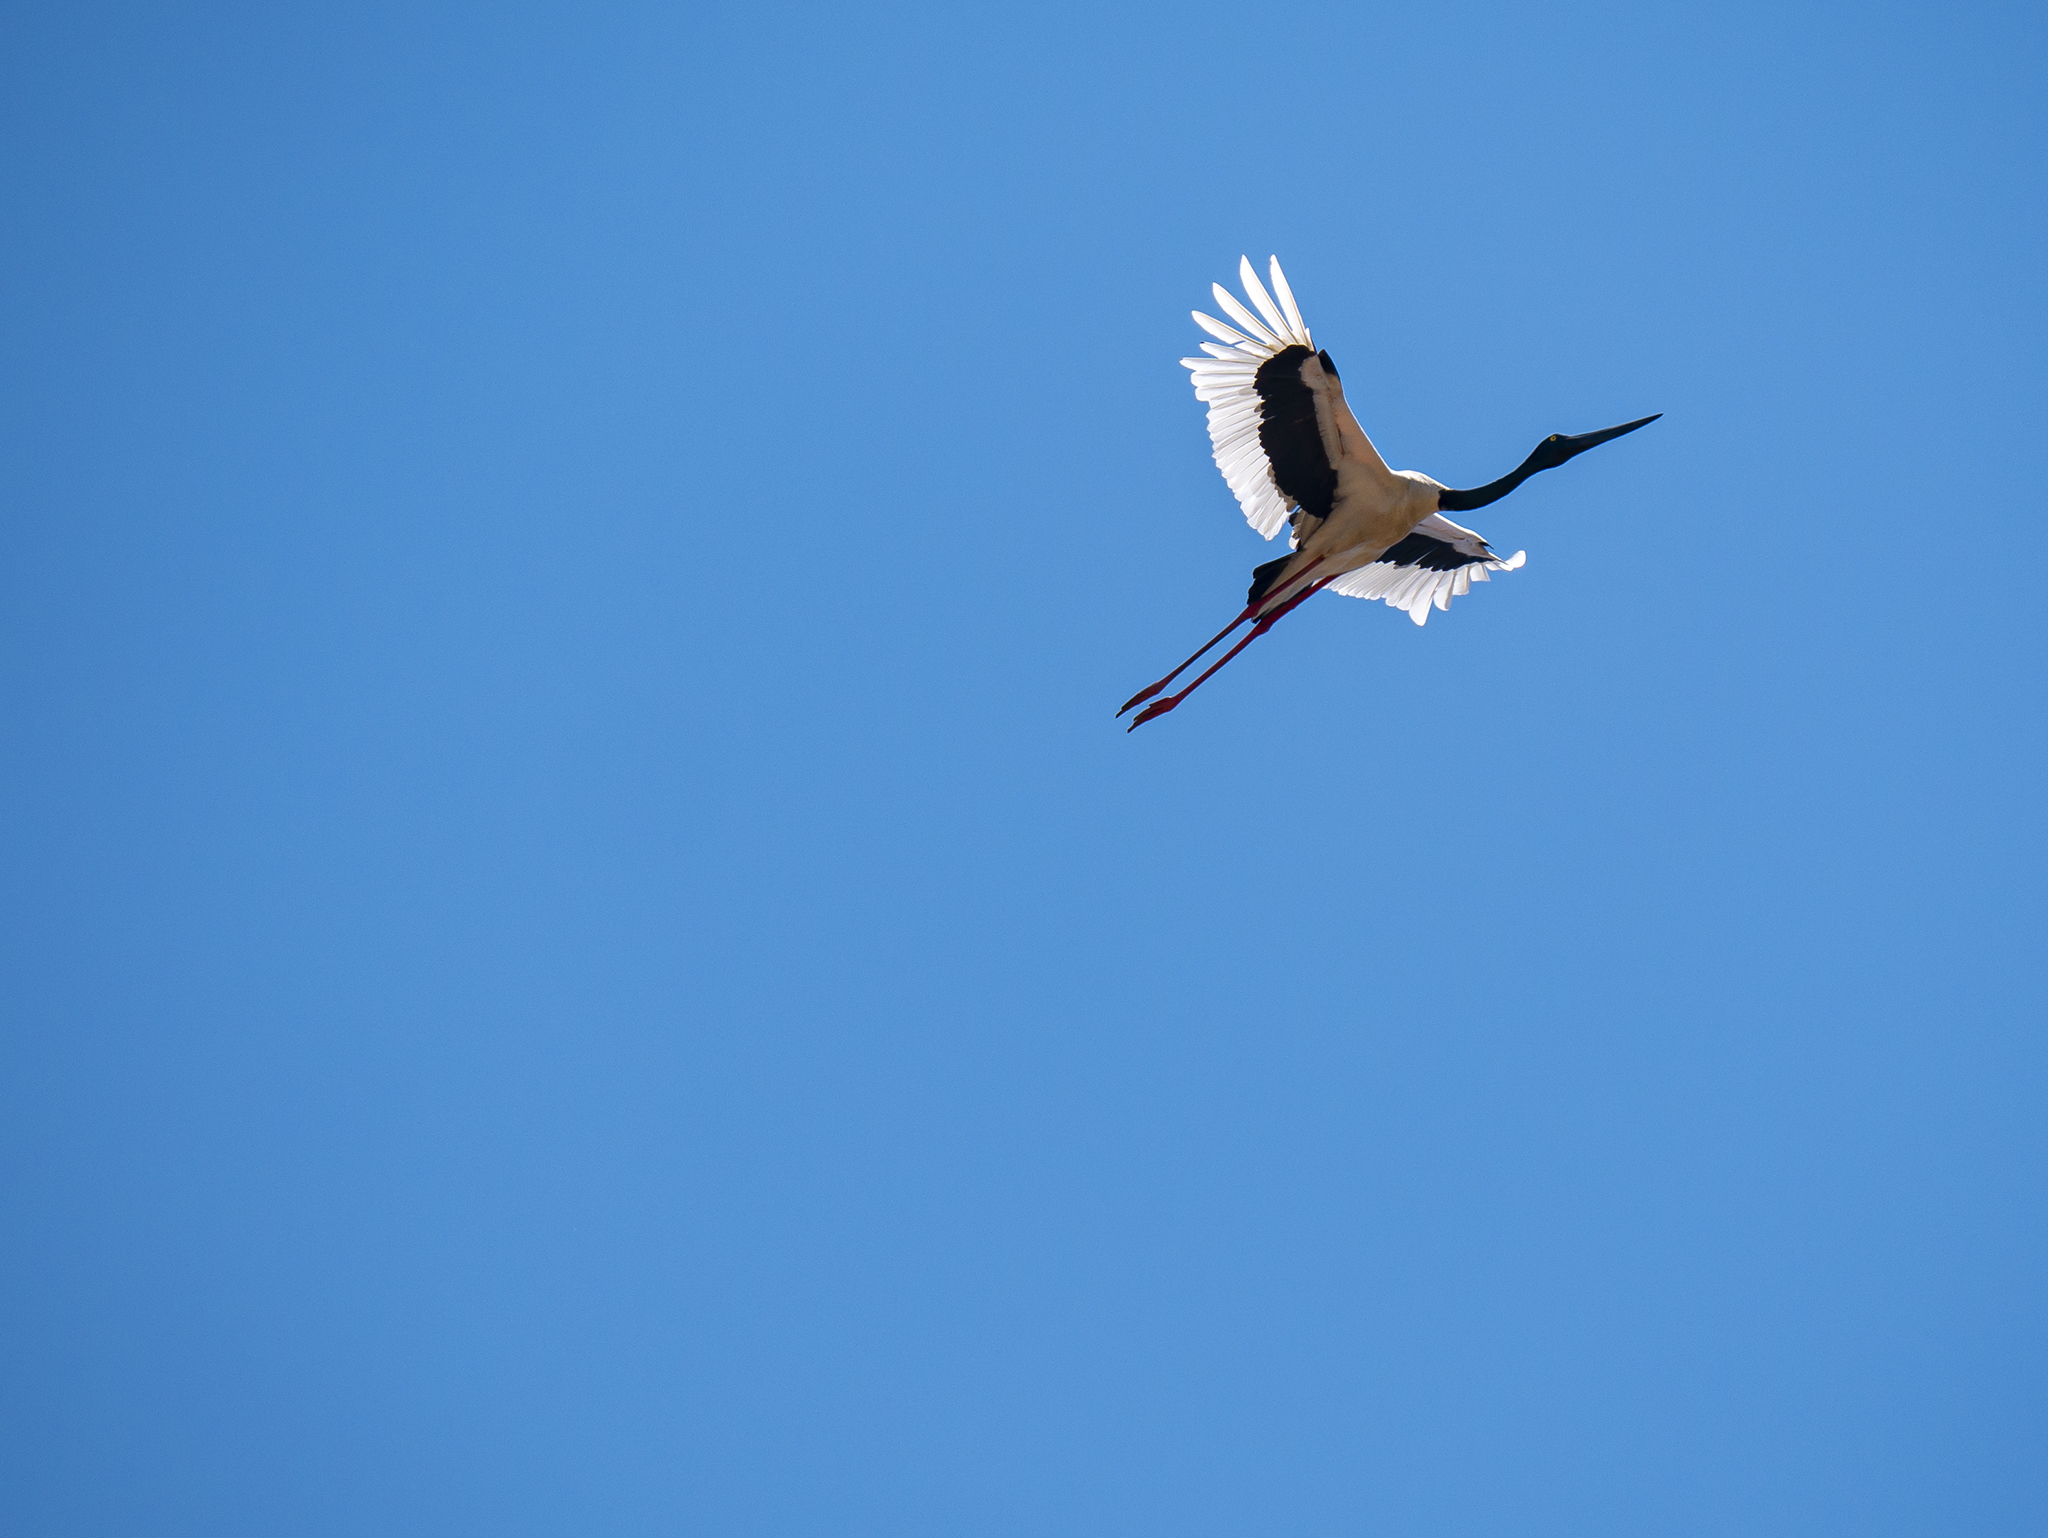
1570, 444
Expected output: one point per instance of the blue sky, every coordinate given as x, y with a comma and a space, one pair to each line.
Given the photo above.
584, 954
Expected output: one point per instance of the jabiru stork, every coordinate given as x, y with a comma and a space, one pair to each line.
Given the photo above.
1293, 453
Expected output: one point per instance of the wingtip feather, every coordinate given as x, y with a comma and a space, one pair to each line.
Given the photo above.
1286, 297
1256, 292
1244, 317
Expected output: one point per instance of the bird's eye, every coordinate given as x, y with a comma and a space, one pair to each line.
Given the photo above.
1553, 437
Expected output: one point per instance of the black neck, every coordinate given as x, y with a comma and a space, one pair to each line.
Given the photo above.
1464, 501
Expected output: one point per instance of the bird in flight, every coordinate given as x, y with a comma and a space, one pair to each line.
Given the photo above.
1293, 453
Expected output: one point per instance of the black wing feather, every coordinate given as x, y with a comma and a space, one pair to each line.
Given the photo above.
1289, 434
1434, 554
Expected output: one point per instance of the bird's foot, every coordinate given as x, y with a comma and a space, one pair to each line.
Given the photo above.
1153, 712
1143, 695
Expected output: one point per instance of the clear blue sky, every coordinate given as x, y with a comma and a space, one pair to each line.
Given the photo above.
583, 954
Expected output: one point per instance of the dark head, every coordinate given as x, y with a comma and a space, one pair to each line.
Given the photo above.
1548, 455
1558, 447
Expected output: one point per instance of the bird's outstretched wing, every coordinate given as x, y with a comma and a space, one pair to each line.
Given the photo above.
1278, 423
1437, 562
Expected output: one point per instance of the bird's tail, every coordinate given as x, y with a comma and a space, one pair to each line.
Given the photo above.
1274, 578
1263, 578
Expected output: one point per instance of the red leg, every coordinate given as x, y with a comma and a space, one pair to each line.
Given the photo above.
1249, 610
1152, 712
1146, 693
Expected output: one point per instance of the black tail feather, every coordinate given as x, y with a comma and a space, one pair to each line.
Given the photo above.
1263, 578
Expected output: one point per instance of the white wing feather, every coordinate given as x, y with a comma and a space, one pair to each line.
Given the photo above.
1224, 382
1418, 589
1286, 298
1256, 292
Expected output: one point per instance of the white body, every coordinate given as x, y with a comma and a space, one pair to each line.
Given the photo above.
1373, 509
